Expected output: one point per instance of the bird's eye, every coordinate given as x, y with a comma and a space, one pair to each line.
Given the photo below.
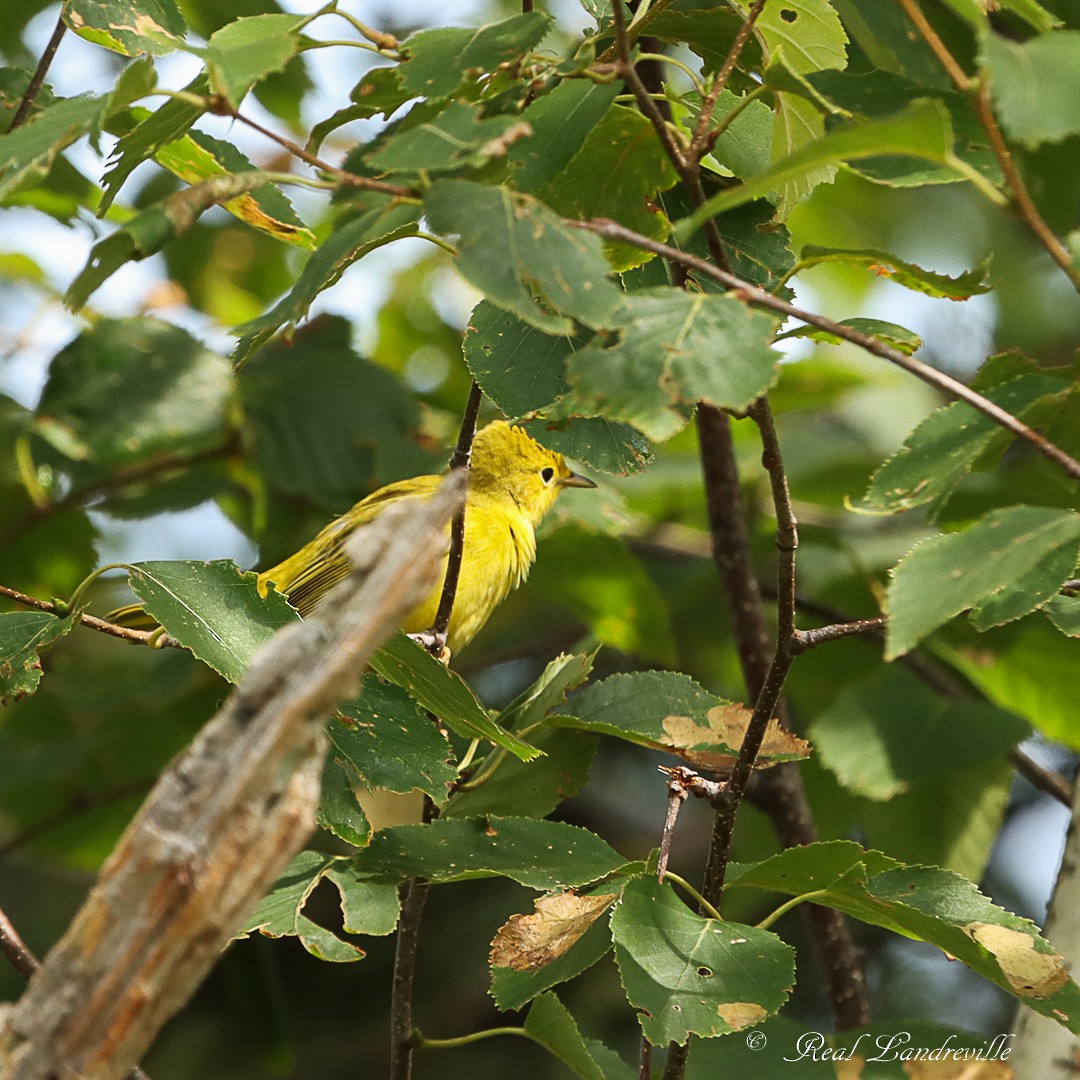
547, 474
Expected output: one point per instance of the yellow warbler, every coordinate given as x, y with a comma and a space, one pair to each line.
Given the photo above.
513, 483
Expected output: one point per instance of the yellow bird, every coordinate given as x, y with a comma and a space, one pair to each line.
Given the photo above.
513, 483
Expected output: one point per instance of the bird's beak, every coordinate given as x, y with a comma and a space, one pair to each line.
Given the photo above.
573, 480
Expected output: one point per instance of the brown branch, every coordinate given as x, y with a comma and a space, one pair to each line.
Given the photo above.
811, 639
979, 93
460, 459
139, 637
16, 950
38, 77
751, 294
223, 107
699, 142
221, 823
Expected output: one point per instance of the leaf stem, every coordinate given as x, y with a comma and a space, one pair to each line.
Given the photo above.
425, 1043
694, 895
660, 58
784, 908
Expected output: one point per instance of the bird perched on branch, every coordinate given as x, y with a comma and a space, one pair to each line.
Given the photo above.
513, 483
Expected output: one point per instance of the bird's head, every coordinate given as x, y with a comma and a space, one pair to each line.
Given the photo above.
507, 462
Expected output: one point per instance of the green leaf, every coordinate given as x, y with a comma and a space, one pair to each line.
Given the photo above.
922, 130
667, 710
560, 123
1064, 613
390, 742
133, 390
970, 283
692, 976
597, 579
153, 228
28, 152
368, 908
1035, 85
212, 609
246, 50
518, 366
538, 854
550, 1024
745, 145
338, 810
24, 636
459, 137
928, 904
436, 60
513, 989
599, 443
128, 27
432, 684
884, 735
616, 174
976, 12
521, 256
344, 246
332, 428
380, 91
152, 133
942, 450
1030, 672
1007, 564
898, 337
671, 350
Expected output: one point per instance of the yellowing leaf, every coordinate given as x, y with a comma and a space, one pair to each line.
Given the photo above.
1031, 974
527, 942
727, 724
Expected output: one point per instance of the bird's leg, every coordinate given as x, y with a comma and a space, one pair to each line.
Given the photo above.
434, 643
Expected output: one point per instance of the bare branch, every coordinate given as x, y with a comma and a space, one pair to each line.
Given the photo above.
38, 78
751, 294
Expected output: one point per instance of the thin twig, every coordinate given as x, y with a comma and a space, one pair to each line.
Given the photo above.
810, 639
699, 143
223, 107
677, 793
955, 72
460, 459
16, 950
79, 805
38, 78
140, 637
751, 294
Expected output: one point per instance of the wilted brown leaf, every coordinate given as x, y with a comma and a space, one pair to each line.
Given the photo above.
527, 942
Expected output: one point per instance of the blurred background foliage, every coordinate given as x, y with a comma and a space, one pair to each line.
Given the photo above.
377, 398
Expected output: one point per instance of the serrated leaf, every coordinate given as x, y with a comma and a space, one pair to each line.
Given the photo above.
343, 247
368, 908
941, 451
970, 283
598, 580
928, 904
437, 60
1064, 612
923, 130
459, 137
212, 609
1005, 565
550, 1024
1035, 84
153, 228
599, 443
246, 50
24, 636
616, 174
897, 337
560, 123
672, 349
380, 91
148, 26
667, 710
432, 684
687, 975
976, 12
884, 735
130, 390
338, 810
522, 257
390, 742
538, 854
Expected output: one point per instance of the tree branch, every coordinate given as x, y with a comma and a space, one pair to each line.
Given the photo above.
38, 78
221, 823
751, 294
